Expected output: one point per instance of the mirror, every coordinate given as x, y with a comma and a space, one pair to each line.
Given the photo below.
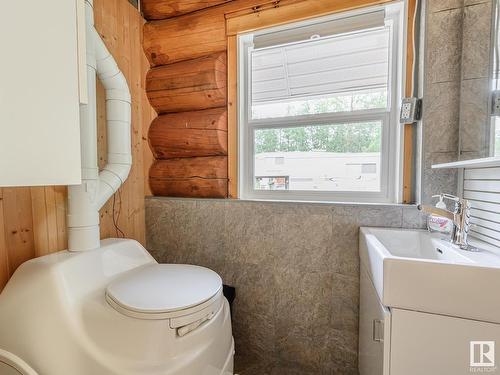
479, 127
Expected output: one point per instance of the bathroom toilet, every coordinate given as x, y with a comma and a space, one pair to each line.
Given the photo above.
114, 310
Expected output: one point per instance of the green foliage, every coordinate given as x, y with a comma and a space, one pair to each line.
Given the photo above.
342, 138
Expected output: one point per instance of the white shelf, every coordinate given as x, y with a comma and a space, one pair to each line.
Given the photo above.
475, 163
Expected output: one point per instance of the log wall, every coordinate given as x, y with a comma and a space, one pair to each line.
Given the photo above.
186, 45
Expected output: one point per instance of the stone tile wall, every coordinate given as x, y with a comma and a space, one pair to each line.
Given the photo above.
475, 87
295, 267
456, 89
442, 76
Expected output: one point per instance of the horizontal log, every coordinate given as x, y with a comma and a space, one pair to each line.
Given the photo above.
203, 167
188, 134
161, 9
192, 35
184, 38
202, 73
189, 188
215, 118
183, 143
200, 177
188, 85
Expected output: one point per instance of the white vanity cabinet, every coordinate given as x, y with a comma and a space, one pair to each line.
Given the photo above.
374, 326
42, 84
438, 303
405, 342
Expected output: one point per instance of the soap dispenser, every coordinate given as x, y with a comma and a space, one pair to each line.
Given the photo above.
436, 223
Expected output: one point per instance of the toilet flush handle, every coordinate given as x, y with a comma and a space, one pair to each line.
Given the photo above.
184, 330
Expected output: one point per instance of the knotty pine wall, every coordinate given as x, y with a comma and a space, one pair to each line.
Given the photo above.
33, 220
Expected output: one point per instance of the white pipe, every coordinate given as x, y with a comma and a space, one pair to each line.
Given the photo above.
118, 113
85, 200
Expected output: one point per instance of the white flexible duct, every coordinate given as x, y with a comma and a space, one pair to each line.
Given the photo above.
85, 200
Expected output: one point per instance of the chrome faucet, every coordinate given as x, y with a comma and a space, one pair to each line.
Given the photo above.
460, 216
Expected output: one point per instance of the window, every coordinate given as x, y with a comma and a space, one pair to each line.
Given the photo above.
319, 106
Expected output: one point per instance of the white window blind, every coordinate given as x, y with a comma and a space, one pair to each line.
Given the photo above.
341, 64
322, 28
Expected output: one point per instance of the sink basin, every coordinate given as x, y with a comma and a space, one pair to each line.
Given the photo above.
417, 270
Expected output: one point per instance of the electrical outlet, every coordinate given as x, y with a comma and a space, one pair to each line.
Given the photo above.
406, 111
411, 110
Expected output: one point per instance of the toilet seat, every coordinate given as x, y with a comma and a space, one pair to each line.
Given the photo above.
179, 292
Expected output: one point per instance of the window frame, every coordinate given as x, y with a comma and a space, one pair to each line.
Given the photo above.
391, 155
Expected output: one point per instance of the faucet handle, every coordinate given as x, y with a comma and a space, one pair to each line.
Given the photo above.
458, 202
451, 197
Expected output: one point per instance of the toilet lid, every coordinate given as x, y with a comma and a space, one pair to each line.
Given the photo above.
164, 288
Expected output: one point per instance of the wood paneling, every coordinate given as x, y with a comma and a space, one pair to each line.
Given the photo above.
48, 206
120, 26
146, 117
33, 220
200, 177
18, 225
188, 134
189, 85
161, 9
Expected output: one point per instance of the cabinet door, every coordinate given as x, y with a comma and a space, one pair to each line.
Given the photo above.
424, 343
39, 93
374, 330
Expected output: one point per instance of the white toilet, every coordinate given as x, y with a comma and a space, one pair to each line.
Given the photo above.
114, 310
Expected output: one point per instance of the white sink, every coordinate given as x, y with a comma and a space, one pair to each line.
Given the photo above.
416, 270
